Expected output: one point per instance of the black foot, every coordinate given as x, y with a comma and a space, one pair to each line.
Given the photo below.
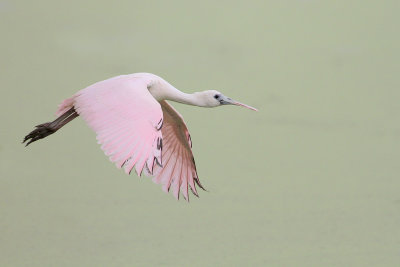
40, 132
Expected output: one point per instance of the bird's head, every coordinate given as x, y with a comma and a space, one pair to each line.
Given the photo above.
213, 98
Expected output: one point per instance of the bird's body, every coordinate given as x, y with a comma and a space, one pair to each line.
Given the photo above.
137, 128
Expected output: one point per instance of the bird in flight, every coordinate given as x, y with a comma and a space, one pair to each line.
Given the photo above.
137, 128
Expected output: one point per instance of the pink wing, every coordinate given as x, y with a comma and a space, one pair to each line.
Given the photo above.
179, 169
127, 121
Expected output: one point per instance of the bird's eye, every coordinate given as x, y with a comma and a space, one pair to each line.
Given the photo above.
216, 96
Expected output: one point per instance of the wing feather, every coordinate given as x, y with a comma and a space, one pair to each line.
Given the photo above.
184, 186
179, 169
132, 128
125, 117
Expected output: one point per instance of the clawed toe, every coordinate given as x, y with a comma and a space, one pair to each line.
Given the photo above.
42, 131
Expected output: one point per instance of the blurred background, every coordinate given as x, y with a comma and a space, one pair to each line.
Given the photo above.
312, 179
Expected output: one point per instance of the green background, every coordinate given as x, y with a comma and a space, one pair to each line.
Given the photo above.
312, 179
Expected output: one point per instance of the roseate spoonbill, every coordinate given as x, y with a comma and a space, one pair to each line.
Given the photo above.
137, 128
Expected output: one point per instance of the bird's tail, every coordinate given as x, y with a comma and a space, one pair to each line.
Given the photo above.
48, 128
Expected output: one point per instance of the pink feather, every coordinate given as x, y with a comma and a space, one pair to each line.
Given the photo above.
125, 117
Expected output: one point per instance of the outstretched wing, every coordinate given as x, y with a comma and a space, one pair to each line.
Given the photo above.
127, 121
179, 169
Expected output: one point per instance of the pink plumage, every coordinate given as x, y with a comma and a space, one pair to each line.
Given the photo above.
137, 129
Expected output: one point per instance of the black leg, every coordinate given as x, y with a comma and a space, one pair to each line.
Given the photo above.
48, 128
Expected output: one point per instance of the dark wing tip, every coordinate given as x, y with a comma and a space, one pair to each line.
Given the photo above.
196, 179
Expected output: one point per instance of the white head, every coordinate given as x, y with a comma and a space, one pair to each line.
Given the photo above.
212, 98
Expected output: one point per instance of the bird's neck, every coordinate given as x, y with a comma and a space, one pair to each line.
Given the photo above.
169, 92
188, 99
